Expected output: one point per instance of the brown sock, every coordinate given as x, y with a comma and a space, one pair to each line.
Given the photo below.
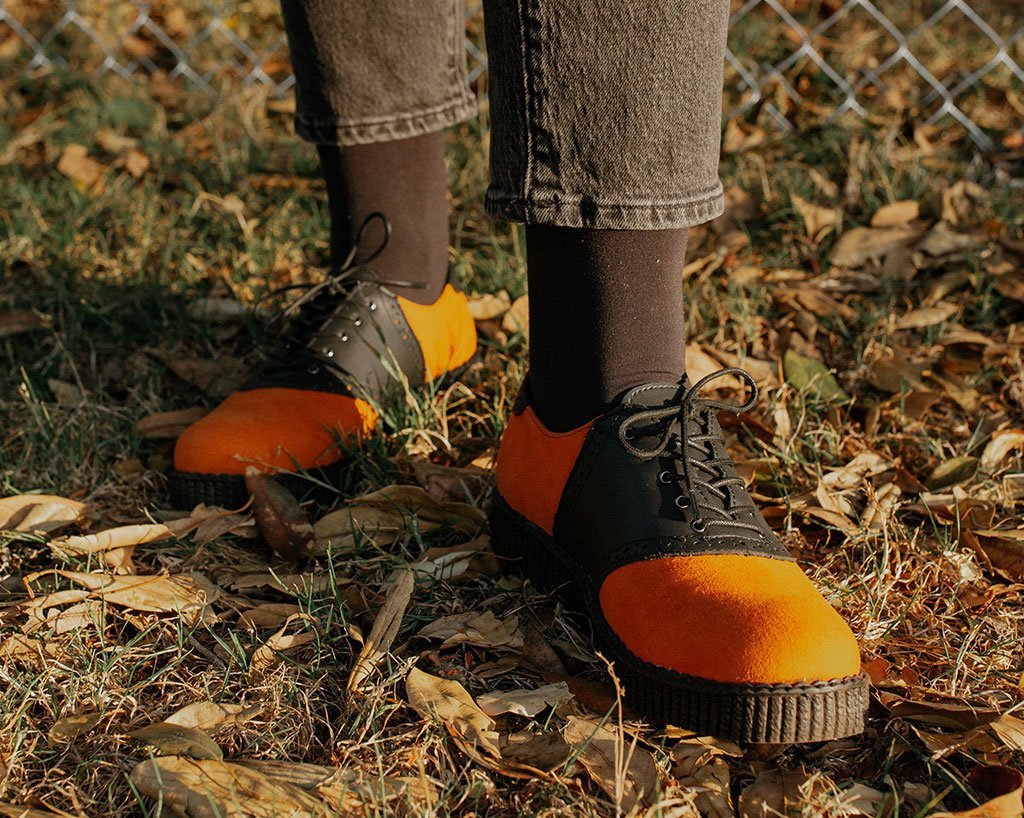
406, 181
606, 314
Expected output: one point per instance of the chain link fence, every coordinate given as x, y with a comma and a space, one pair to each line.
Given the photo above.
926, 60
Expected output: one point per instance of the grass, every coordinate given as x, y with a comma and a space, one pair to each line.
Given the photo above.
231, 207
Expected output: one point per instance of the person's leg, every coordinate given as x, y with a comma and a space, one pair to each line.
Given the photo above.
613, 477
377, 81
376, 84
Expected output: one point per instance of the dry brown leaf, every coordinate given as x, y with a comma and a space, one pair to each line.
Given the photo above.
484, 630
79, 167
487, 306
775, 793
544, 751
941, 241
153, 594
267, 655
383, 515
14, 322
447, 701
169, 425
896, 213
177, 740
459, 563
927, 316
862, 244
21, 649
517, 319
1004, 549
385, 628
281, 520
135, 162
523, 702
818, 221
219, 789
43, 513
1002, 786
960, 201
114, 547
207, 714
268, 615
1000, 446
69, 728
624, 770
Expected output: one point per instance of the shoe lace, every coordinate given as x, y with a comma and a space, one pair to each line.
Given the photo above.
331, 298
700, 473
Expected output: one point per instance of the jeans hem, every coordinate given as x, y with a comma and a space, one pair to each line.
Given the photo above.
592, 213
340, 131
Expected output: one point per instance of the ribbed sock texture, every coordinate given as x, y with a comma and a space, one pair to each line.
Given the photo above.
406, 181
606, 314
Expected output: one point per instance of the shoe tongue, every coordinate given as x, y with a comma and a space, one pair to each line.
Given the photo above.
654, 395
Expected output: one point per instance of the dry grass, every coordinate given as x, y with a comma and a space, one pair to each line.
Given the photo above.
926, 352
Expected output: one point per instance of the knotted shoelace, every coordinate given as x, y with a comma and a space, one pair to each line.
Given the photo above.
699, 472
326, 300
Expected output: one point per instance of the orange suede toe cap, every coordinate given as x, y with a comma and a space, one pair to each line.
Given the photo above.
271, 429
729, 618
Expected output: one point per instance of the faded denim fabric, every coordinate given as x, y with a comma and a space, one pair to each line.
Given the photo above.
604, 113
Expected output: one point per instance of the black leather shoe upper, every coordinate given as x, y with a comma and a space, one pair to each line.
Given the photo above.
654, 479
354, 340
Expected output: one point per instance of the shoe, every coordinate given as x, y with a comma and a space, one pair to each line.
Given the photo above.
351, 344
640, 518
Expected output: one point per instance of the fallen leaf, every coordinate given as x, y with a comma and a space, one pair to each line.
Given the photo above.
1000, 446
169, 425
895, 214
207, 714
176, 740
43, 513
624, 770
114, 547
471, 628
517, 319
818, 221
941, 241
952, 472
267, 655
220, 789
1002, 786
862, 244
71, 727
459, 563
153, 594
14, 322
77, 165
268, 615
927, 316
385, 628
281, 520
1004, 549
447, 701
524, 702
813, 377
545, 751
488, 306
135, 162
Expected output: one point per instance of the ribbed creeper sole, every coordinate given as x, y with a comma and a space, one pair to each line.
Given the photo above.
764, 714
189, 489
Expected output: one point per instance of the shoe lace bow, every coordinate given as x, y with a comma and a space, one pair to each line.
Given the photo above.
703, 476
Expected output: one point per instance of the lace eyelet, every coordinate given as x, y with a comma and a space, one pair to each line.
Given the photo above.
344, 336
698, 525
329, 353
682, 501
665, 477
373, 306
358, 322
627, 433
313, 369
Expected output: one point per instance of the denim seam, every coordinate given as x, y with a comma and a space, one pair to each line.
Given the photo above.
686, 212
341, 131
527, 99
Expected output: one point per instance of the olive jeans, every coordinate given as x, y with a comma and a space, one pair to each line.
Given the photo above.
604, 113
